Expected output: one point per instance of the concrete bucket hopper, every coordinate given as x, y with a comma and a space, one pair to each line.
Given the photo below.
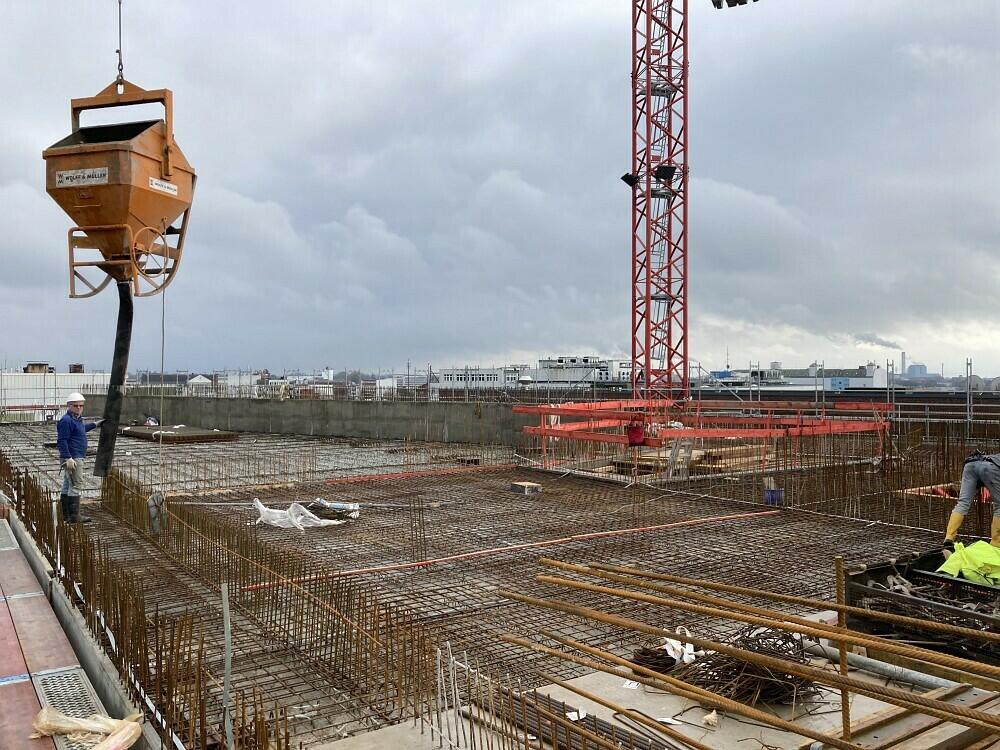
124, 185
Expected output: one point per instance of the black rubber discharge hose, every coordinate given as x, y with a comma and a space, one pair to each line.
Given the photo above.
116, 395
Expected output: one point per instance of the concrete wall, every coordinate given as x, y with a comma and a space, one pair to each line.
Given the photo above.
430, 421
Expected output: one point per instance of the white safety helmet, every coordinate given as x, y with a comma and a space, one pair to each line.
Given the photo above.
75, 397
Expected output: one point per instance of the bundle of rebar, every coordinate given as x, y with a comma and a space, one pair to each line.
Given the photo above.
747, 682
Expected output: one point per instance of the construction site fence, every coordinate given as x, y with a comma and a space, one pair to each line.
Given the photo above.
160, 658
370, 392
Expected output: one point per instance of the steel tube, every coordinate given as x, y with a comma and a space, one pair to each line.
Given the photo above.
116, 385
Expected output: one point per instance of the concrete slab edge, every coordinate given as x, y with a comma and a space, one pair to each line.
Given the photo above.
98, 667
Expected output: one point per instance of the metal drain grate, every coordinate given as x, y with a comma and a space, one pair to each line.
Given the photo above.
69, 691
6, 536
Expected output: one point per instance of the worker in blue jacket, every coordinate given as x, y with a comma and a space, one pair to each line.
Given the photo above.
71, 438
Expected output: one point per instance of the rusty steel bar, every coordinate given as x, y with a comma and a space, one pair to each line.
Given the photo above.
725, 605
958, 714
799, 600
845, 698
815, 630
633, 715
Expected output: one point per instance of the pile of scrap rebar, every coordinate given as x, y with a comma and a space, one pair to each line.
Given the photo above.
752, 683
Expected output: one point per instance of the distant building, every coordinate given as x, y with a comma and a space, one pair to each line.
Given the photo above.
41, 393
917, 370
553, 372
34, 368
868, 375
833, 379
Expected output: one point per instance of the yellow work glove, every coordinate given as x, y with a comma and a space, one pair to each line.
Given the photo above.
70, 464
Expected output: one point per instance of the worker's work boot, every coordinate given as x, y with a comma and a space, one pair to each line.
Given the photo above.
64, 503
954, 524
75, 517
995, 532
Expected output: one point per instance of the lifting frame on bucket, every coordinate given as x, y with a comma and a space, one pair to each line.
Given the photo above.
124, 185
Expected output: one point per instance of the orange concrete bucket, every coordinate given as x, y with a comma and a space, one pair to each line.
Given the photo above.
124, 185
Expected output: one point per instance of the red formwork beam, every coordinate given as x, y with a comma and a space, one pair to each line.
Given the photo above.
659, 178
587, 436
757, 433
631, 406
763, 406
592, 406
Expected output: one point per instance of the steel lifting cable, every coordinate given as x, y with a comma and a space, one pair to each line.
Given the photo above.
121, 67
163, 347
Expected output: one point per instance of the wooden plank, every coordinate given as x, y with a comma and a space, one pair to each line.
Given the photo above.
893, 713
988, 743
894, 728
922, 728
945, 736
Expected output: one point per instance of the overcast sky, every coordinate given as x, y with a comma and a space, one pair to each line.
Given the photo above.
438, 181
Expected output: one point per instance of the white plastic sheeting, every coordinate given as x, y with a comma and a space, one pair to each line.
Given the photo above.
347, 510
681, 652
296, 517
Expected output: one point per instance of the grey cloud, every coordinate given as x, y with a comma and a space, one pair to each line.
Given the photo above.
875, 340
383, 181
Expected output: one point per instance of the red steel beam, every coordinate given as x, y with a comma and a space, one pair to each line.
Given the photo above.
590, 437
833, 428
803, 421
602, 407
590, 406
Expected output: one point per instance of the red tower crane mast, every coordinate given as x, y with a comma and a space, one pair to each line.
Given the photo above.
659, 181
660, 378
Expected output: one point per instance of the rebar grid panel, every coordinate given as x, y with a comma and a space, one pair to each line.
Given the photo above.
840, 476
252, 459
471, 513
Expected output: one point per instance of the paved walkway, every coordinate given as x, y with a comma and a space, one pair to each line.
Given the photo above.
32, 647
